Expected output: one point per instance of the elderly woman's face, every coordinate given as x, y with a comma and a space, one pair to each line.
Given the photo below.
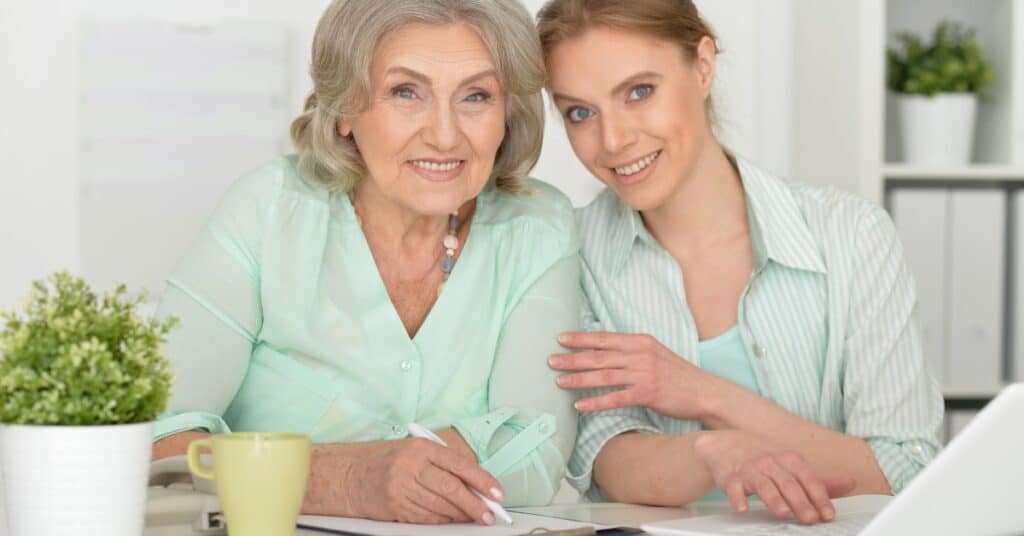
436, 117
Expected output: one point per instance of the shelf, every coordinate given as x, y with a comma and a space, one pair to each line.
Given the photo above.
979, 172
951, 393
969, 399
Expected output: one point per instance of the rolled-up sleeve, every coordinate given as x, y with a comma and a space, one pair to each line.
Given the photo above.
891, 399
597, 428
526, 441
214, 292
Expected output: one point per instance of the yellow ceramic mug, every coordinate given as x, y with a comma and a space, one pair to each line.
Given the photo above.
260, 477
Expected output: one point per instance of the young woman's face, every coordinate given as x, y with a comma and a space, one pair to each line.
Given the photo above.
634, 108
436, 117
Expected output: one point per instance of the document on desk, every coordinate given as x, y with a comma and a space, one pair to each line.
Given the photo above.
522, 524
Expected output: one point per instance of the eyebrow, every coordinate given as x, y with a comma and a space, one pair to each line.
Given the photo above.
621, 86
642, 75
426, 79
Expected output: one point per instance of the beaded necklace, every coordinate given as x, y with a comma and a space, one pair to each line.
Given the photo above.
450, 242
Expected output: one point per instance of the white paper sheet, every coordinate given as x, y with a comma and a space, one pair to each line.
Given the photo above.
523, 523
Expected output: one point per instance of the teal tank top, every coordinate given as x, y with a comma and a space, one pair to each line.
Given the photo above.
725, 356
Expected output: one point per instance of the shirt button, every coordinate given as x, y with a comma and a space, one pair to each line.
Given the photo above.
398, 429
916, 449
406, 366
760, 351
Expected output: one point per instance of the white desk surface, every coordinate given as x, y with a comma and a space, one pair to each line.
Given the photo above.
605, 514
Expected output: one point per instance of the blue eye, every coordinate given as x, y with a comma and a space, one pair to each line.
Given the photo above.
641, 92
579, 113
403, 92
479, 96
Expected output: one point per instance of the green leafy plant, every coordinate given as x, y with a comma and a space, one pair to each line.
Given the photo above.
75, 359
953, 63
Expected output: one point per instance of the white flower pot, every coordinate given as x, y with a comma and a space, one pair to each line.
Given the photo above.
937, 130
76, 480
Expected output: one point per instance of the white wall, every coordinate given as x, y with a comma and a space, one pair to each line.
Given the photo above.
40, 189
838, 85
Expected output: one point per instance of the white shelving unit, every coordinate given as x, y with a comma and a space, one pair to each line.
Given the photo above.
999, 26
974, 172
844, 131
969, 283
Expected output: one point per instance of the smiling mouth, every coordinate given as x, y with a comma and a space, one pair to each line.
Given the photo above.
436, 166
637, 166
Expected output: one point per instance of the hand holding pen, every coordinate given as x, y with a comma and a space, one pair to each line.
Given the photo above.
419, 481
416, 430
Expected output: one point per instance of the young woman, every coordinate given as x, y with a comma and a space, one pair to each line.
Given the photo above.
748, 334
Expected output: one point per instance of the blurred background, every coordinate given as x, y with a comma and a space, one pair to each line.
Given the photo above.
123, 121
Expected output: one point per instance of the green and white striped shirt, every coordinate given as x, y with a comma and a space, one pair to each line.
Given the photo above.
827, 320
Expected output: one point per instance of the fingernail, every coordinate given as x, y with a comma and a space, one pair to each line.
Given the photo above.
786, 512
561, 380
829, 514
555, 361
497, 494
579, 406
563, 338
488, 518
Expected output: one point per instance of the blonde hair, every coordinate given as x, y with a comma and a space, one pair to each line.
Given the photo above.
676, 21
343, 47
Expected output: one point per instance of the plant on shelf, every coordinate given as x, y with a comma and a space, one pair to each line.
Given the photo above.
937, 86
82, 378
953, 63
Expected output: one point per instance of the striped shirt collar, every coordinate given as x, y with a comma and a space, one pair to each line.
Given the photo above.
778, 231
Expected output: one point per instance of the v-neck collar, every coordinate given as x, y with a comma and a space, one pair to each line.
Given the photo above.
452, 287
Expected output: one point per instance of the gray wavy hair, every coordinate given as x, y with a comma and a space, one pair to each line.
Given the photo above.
343, 47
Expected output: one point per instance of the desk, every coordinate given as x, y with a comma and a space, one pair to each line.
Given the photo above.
171, 511
626, 515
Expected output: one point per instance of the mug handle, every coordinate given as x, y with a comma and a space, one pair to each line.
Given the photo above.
194, 463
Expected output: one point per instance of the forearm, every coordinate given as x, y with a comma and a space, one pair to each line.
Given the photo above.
175, 445
333, 466
624, 471
829, 452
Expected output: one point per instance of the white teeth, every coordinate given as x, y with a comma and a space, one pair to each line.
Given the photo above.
637, 166
435, 166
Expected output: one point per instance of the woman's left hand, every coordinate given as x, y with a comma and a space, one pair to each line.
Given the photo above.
649, 374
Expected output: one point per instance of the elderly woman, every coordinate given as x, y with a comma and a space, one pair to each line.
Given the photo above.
399, 269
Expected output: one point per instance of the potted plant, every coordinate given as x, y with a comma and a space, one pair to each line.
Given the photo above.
937, 88
81, 380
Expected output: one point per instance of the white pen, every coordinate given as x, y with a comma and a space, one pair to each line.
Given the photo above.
416, 430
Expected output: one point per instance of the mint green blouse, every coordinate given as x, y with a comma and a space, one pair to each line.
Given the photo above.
286, 325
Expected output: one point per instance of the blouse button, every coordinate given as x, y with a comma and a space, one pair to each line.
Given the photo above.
760, 351
398, 429
406, 366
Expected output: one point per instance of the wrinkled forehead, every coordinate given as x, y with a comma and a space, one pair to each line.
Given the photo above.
443, 52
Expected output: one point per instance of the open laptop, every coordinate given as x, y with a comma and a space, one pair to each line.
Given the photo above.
972, 487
